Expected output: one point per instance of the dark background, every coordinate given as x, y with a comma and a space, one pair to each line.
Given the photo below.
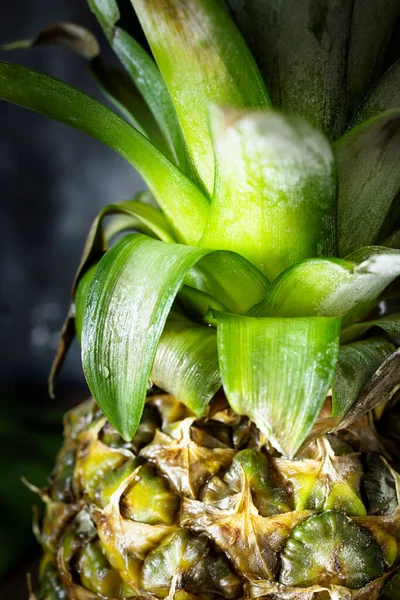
53, 181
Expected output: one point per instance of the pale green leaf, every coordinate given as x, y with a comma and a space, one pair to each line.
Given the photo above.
278, 372
331, 287
144, 72
203, 60
182, 202
383, 97
186, 363
127, 306
356, 365
389, 323
275, 191
199, 305
369, 178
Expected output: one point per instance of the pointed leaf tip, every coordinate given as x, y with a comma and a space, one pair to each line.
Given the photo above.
278, 372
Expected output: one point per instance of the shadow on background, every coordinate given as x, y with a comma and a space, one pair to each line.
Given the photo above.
53, 181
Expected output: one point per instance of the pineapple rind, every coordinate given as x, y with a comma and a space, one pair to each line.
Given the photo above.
198, 509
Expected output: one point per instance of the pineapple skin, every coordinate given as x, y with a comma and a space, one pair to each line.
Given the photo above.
206, 509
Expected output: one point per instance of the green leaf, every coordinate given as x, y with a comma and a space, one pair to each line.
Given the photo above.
384, 96
68, 35
389, 323
203, 60
128, 303
186, 363
355, 366
199, 305
382, 386
371, 29
278, 372
331, 287
118, 87
144, 218
182, 202
275, 190
81, 292
318, 58
369, 178
393, 241
300, 46
144, 73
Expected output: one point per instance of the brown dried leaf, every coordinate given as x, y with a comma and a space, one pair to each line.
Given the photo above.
185, 463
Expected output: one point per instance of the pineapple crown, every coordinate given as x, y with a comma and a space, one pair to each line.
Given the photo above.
264, 258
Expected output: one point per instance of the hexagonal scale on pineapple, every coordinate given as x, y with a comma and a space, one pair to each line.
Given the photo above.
329, 549
189, 563
95, 460
126, 543
252, 542
327, 483
379, 486
96, 573
267, 497
80, 531
148, 499
186, 463
112, 480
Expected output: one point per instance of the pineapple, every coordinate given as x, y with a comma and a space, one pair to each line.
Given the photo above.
240, 344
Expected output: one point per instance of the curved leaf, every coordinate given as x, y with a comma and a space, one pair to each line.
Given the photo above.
182, 202
369, 178
381, 387
383, 97
275, 191
203, 60
82, 290
389, 323
127, 306
330, 287
118, 87
278, 372
68, 35
144, 72
186, 363
144, 217
355, 366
